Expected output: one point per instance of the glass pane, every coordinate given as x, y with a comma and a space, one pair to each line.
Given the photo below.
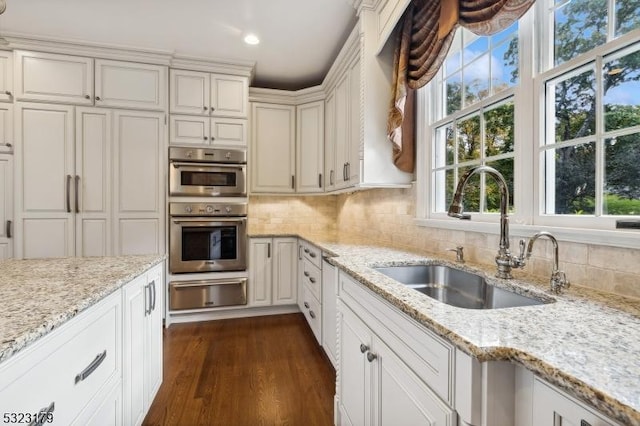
473, 50
492, 192
574, 179
622, 96
476, 80
444, 146
452, 62
580, 25
471, 199
453, 100
450, 188
469, 139
627, 16
504, 66
622, 175
575, 106
498, 130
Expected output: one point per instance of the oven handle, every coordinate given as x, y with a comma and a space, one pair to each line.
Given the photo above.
206, 284
213, 220
178, 164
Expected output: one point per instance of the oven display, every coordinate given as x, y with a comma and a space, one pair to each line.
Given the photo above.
200, 178
209, 243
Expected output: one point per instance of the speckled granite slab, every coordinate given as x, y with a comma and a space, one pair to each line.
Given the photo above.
39, 295
585, 342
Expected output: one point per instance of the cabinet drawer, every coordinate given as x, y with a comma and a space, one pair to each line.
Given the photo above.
312, 253
312, 277
68, 368
188, 130
312, 310
229, 132
429, 356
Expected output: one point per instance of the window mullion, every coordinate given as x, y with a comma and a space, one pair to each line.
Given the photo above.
599, 184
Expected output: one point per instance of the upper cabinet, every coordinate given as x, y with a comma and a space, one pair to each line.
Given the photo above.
6, 206
207, 94
48, 77
6, 76
310, 147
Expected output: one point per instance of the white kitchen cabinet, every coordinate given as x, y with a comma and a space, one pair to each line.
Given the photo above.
329, 310
76, 367
6, 76
272, 271
272, 152
6, 206
6, 128
67, 181
202, 93
310, 286
330, 142
49, 77
213, 132
142, 343
310, 147
341, 132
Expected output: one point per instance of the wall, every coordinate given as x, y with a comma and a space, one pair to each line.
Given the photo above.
287, 214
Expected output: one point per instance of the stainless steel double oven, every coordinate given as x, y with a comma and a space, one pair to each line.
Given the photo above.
207, 234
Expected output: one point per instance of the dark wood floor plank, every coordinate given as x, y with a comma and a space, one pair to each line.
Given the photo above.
247, 371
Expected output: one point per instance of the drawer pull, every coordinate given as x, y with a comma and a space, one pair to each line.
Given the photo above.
312, 314
371, 356
313, 280
306, 305
306, 250
153, 293
44, 416
306, 274
312, 254
92, 367
584, 423
363, 348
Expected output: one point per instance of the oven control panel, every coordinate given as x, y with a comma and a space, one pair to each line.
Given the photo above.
208, 209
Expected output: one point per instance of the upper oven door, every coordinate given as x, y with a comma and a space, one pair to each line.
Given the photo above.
207, 179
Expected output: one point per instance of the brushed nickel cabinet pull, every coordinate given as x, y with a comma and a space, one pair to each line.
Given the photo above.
331, 178
306, 305
293, 182
8, 93
319, 180
9, 226
371, 356
363, 348
312, 314
269, 250
98, 98
153, 288
77, 194
91, 367
68, 194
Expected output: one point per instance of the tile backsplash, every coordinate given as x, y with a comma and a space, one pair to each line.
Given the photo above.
386, 217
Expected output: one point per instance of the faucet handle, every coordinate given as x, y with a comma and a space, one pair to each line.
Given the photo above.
559, 281
459, 253
520, 260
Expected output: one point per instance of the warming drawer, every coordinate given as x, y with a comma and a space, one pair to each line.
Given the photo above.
207, 293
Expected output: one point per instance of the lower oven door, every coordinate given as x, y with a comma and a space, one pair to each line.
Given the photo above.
207, 179
207, 294
207, 245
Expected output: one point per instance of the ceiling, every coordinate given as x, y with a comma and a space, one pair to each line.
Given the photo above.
299, 39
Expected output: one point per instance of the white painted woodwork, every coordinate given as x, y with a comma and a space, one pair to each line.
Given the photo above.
310, 147
330, 142
93, 171
6, 76
6, 206
6, 127
130, 85
312, 278
138, 182
142, 344
284, 271
229, 96
272, 154
44, 159
260, 271
106, 412
387, 13
231, 132
189, 92
342, 136
46, 371
189, 130
51, 77
552, 407
329, 310
353, 148
312, 310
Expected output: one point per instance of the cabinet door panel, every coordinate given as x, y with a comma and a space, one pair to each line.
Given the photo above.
260, 269
353, 148
189, 130
53, 78
6, 127
130, 85
6, 76
93, 237
229, 132
342, 134
138, 236
189, 92
229, 95
310, 147
6, 195
330, 142
47, 238
153, 357
284, 274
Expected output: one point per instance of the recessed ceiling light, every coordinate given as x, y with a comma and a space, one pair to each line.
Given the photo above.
251, 39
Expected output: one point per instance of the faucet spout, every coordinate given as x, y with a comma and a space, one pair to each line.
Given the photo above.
504, 260
558, 279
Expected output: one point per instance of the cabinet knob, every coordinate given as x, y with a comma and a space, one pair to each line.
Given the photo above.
8, 93
306, 274
87, 97
363, 348
371, 356
312, 314
306, 305
97, 98
205, 108
205, 138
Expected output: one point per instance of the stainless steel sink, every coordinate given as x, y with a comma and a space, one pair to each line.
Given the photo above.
455, 287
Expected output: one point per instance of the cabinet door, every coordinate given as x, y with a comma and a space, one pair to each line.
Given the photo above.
353, 148
329, 300
284, 271
50, 77
139, 158
229, 132
135, 306
153, 340
44, 172
6, 128
188, 130
130, 85
6, 76
260, 271
273, 159
330, 142
354, 384
229, 95
6, 206
92, 182
342, 134
310, 147
189, 92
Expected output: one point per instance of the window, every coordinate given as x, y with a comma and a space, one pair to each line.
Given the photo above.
554, 106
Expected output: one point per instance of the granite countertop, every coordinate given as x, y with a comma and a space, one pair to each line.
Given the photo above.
586, 342
39, 295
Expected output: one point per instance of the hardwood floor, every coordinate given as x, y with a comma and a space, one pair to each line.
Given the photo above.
249, 371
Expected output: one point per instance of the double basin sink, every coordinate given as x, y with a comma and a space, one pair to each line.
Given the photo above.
455, 287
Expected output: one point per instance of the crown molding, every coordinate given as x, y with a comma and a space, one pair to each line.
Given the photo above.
286, 97
215, 65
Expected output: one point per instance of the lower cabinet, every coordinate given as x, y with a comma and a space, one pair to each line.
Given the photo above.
272, 271
142, 348
329, 300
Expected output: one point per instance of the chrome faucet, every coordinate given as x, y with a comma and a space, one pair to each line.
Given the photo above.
504, 260
558, 279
